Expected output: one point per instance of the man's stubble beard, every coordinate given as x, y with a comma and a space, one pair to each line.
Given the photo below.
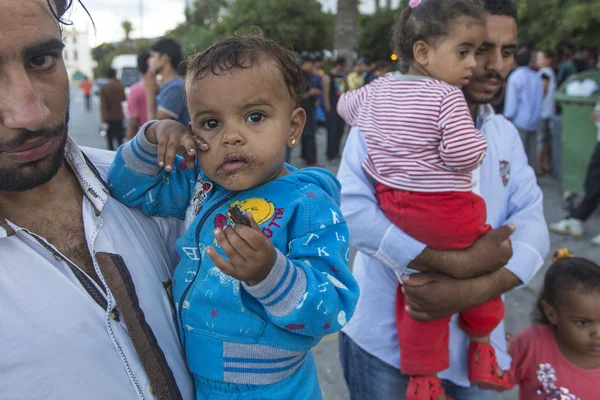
39, 172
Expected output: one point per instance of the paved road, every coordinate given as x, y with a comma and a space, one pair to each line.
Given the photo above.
519, 303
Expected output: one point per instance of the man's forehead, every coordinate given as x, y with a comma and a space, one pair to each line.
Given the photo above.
501, 30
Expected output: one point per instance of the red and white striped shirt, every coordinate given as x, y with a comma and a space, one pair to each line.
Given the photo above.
419, 133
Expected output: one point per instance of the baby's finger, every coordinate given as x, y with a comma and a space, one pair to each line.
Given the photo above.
238, 241
189, 144
162, 142
253, 223
227, 267
199, 142
171, 152
229, 250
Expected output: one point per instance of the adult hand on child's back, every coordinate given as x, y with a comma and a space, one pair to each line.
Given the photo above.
251, 255
174, 138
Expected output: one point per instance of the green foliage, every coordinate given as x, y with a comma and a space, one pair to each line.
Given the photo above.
545, 23
104, 53
205, 13
375, 36
127, 28
300, 25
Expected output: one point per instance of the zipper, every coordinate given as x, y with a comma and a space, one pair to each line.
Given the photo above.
187, 289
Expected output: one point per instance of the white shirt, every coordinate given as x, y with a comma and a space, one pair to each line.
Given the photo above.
548, 104
56, 342
509, 188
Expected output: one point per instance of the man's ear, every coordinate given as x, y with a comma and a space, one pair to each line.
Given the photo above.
297, 122
421, 52
550, 312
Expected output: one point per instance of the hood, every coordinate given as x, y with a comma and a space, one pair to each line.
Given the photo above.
317, 176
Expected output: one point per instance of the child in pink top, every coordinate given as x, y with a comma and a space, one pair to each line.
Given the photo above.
558, 358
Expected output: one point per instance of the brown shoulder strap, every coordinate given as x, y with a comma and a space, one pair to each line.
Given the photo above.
121, 285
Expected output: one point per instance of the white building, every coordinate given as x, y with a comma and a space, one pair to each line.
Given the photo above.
78, 53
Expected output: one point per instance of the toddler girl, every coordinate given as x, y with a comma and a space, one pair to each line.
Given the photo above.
264, 272
422, 147
558, 358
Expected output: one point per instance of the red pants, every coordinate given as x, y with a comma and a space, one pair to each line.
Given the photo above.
443, 221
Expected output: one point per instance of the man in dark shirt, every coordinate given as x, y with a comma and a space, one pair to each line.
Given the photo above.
112, 95
309, 104
334, 84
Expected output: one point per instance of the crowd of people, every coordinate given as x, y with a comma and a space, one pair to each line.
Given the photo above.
194, 262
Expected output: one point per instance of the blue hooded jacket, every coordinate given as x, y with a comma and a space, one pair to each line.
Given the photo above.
239, 339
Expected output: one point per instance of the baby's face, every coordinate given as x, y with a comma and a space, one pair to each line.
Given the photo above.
248, 118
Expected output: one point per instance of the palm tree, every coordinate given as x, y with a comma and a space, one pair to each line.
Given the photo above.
127, 27
388, 4
377, 4
346, 29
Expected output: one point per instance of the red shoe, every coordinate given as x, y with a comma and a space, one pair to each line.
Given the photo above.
425, 388
483, 368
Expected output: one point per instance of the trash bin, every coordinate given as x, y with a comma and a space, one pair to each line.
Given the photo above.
579, 133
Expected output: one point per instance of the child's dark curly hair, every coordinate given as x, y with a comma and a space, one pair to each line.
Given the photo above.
563, 275
431, 20
240, 52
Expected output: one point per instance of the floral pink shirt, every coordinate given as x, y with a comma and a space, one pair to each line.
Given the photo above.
543, 372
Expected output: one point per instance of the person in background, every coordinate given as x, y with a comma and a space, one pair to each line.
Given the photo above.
588, 59
356, 77
308, 102
112, 95
382, 67
86, 88
566, 67
573, 224
136, 100
168, 100
559, 356
523, 103
86, 281
543, 61
334, 85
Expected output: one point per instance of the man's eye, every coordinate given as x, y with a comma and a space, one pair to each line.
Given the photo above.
581, 322
464, 53
210, 124
46, 61
255, 117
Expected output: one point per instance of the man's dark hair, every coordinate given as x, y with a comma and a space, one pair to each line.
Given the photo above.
59, 8
523, 59
339, 62
548, 53
565, 275
171, 48
111, 73
142, 62
241, 52
507, 8
382, 65
431, 20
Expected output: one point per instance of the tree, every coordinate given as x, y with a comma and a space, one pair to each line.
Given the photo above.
545, 23
127, 28
375, 38
298, 25
206, 13
346, 29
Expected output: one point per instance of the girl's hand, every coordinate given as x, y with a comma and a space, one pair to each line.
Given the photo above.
174, 138
251, 255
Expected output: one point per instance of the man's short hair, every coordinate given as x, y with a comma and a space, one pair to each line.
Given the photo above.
240, 52
171, 48
142, 62
523, 59
111, 73
340, 62
502, 7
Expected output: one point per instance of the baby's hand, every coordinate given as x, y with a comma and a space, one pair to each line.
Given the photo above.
251, 255
172, 138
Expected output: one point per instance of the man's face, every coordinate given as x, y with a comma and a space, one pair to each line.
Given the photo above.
34, 95
156, 62
494, 59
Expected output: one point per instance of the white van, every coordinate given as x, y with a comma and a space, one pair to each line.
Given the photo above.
126, 67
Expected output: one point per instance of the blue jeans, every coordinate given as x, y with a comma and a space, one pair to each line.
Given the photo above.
369, 378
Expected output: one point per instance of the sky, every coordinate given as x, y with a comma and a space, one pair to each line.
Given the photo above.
159, 16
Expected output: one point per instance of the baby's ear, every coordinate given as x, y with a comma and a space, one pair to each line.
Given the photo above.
550, 312
297, 122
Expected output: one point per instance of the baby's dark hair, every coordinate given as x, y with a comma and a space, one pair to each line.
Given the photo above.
563, 275
431, 20
240, 52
